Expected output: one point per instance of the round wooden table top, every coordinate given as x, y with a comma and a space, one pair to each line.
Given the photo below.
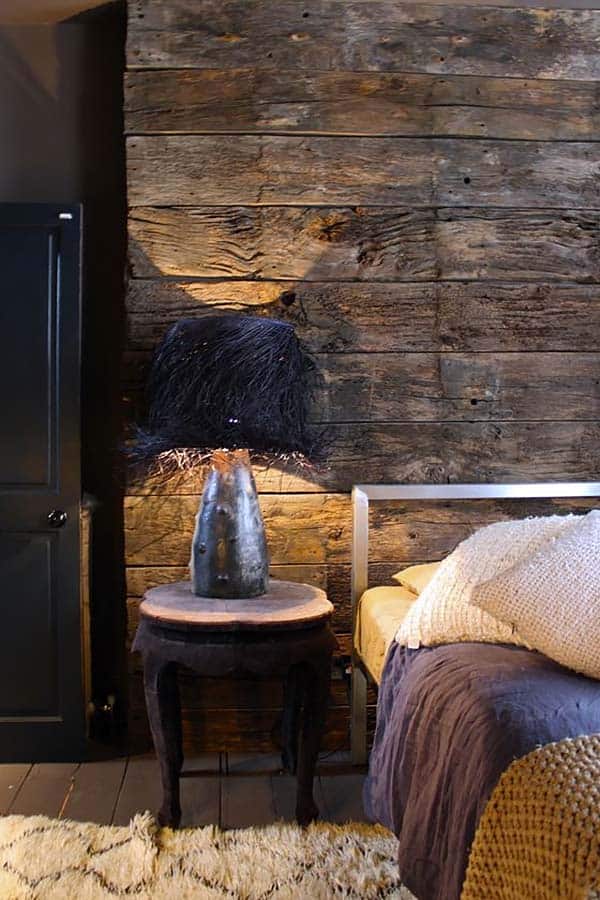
287, 604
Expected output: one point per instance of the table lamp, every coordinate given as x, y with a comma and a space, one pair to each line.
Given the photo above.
223, 388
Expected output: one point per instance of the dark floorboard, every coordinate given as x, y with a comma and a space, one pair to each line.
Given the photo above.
246, 800
200, 800
44, 790
11, 779
343, 798
95, 791
230, 790
140, 790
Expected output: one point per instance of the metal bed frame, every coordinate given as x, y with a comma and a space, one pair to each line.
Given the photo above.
362, 495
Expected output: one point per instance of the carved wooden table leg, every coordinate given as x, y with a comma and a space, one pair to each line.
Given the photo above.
292, 712
164, 713
317, 676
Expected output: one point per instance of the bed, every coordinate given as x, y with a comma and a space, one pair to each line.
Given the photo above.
451, 718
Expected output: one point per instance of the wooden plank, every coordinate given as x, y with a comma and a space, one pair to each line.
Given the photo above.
201, 764
247, 801
381, 35
300, 529
253, 730
140, 790
142, 579
343, 797
159, 529
425, 387
370, 103
252, 763
284, 796
396, 452
45, 790
365, 244
12, 776
225, 693
335, 579
95, 791
172, 170
398, 317
200, 801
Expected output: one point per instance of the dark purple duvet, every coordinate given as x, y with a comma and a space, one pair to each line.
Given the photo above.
450, 719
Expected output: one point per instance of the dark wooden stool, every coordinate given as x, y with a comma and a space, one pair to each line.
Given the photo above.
285, 632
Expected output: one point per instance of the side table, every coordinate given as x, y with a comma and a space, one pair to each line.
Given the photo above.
285, 632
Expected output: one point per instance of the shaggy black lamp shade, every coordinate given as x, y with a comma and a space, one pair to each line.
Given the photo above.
228, 382
227, 386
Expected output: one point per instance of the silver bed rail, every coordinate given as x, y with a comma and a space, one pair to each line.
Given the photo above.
363, 495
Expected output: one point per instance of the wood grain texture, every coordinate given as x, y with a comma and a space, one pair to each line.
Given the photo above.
12, 777
168, 170
96, 787
370, 103
365, 243
335, 579
417, 452
380, 35
415, 188
44, 790
315, 529
140, 790
383, 318
253, 730
218, 693
445, 387
286, 604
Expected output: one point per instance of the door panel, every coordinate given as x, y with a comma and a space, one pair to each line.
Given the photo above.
29, 567
41, 702
28, 357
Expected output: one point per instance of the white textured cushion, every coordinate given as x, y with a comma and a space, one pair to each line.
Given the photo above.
442, 613
416, 578
553, 597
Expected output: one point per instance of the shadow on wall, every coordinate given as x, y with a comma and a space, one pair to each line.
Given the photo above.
61, 115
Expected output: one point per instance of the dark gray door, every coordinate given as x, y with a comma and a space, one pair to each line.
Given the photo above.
41, 704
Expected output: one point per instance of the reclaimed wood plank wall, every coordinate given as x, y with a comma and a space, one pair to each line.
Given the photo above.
416, 187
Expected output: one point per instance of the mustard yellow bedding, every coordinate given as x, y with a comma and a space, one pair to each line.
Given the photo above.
380, 612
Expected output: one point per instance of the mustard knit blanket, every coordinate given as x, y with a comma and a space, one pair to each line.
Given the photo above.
539, 835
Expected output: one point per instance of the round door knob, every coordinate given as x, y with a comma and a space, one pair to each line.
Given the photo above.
57, 518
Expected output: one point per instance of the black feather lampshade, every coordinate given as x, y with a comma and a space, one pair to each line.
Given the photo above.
227, 386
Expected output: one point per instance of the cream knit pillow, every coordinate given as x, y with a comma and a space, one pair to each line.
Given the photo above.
553, 597
442, 613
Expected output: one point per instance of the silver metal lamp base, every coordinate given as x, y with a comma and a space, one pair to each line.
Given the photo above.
229, 549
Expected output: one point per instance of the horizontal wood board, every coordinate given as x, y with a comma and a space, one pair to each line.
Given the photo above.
272, 101
378, 35
171, 170
365, 243
415, 188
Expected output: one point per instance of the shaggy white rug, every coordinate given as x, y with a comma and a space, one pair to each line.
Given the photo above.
59, 860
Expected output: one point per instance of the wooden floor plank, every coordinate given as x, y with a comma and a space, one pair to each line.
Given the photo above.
201, 763
200, 800
140, 790
343, 797
95, 791
255, 763
12, 776
246, 800
283, 787
45, 789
